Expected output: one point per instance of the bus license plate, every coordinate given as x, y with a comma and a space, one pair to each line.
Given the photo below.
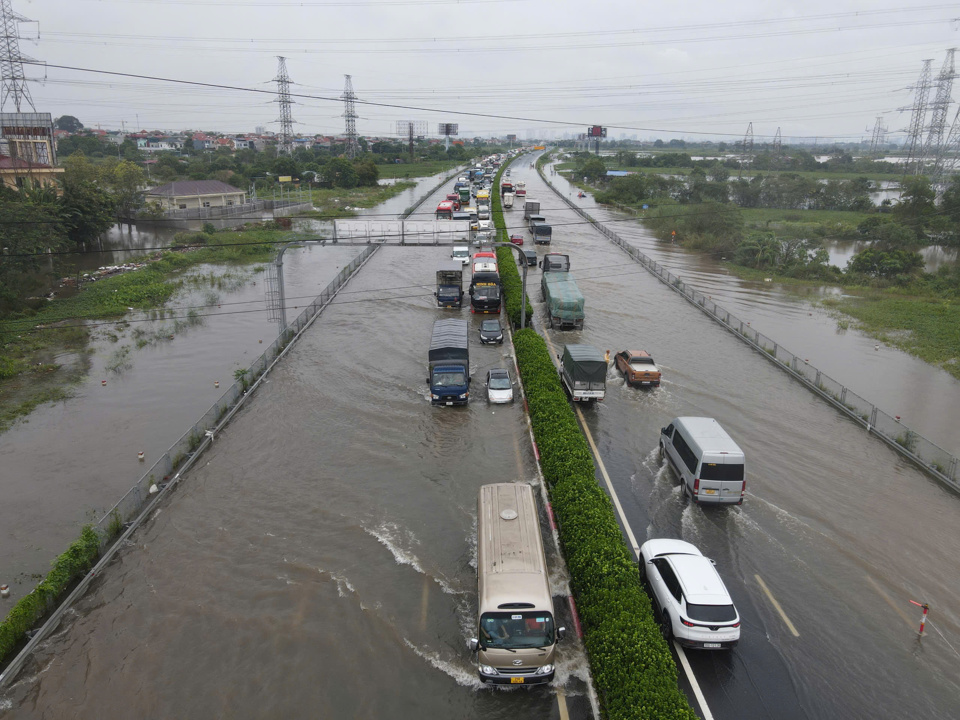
710, 492
516, 680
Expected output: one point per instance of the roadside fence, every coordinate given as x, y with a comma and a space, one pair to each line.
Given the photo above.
927, 455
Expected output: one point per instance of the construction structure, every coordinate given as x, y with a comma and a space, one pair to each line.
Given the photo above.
411, 129
285, 142
746, 150
350, 117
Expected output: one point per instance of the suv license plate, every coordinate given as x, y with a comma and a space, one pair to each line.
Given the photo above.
711, 645
516, 680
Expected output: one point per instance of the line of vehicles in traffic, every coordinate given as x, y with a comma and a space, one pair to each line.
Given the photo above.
517, 632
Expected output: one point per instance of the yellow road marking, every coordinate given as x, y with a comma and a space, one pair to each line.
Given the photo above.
891, 603
776, 606
562, 704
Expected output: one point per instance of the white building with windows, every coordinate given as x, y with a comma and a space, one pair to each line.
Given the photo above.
189, 194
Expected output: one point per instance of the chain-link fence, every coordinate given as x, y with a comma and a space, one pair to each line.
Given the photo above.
926, 454
212, 421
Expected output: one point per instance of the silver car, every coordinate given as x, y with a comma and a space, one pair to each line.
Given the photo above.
499, 386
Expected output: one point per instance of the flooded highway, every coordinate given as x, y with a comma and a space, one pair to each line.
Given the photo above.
924, 396
320, 559
840, 530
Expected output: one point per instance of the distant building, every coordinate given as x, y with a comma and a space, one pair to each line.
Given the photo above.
28, 137
18, 173
188, 194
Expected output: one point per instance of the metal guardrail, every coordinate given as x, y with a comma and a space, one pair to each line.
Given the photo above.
925, 454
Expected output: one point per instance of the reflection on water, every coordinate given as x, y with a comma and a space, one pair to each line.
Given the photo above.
934, 256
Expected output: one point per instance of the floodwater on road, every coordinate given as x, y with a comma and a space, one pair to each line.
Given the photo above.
320, 560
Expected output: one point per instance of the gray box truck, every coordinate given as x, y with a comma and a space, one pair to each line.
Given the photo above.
564, 301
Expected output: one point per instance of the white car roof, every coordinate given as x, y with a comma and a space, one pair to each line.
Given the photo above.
701, 581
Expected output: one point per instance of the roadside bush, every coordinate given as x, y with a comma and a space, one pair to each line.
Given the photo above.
510, 282
633, 670
70, 566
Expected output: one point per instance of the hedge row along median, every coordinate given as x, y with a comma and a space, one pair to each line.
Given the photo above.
73, 564
510, 282
632, 668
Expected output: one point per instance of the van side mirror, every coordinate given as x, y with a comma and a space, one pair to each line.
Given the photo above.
434, 293
474, 644
427, 381
561, 633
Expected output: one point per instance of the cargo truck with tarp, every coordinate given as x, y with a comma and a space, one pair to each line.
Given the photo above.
564, 301
449, 292
448, 362
583, 371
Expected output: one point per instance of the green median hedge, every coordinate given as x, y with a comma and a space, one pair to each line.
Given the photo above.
71, 565
510, 281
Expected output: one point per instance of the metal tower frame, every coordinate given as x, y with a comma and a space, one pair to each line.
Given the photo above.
350, 116
939, 107
747, 149
285, 146
777, 147
948, 158
11, 61
879, 136
917, 117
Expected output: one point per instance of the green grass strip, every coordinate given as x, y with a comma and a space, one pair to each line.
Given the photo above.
71, 565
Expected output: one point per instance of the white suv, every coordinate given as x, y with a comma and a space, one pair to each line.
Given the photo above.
692, 604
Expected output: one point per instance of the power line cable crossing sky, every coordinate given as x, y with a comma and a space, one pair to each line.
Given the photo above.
530, 67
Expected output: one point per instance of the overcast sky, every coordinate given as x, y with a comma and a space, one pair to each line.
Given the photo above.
681, 69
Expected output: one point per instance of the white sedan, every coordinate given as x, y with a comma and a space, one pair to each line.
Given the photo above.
691, 602
499, 386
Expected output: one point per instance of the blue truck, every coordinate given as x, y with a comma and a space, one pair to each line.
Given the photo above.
448, 362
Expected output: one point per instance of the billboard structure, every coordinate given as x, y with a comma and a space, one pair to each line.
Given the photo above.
596, 132
411, 129
448, 129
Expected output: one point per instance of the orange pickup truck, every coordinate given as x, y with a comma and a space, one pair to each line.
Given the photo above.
638, 368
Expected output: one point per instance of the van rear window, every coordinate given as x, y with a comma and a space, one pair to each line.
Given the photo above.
713, 471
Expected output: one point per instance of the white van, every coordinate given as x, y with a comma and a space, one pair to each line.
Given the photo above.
516, 634
710, 464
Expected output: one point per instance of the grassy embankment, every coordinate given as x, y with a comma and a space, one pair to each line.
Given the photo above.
44, 352
332, 202
417, 170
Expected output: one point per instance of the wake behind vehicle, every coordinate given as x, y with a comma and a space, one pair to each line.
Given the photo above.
638, 368
692, 604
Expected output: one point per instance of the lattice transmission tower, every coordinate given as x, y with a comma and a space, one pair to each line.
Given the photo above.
949, 158
11, 61
879, 136
918, 115
746, 154
285, 146
350, 117
938, 109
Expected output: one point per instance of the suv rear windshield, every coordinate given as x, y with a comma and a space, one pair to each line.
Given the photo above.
713, 471
712, 613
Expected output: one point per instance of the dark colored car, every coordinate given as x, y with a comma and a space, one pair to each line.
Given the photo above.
491, 332
530, 256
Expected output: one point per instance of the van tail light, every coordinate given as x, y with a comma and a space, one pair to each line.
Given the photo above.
696, 486
743, 489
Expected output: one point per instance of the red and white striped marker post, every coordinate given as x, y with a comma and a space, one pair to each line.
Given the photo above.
923, 620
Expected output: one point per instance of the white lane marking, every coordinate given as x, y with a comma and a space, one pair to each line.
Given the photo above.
776, 606
891, 603
707, 715
606, 478
691, 678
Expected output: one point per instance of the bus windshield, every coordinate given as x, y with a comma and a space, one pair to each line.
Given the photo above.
514, 630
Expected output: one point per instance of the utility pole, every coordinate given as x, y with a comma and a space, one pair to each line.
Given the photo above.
350, 117
11, 61
285, 146
777, 148
917, 116
879, 136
